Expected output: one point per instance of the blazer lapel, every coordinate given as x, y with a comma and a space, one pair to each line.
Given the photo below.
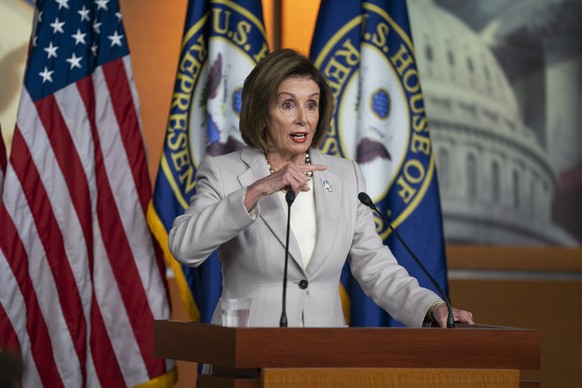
272, 213
328, 190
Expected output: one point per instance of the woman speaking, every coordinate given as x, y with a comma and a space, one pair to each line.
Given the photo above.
240, 210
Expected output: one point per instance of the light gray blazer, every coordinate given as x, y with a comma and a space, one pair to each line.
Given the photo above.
252, 246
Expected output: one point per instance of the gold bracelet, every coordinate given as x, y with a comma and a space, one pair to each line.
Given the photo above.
429, 313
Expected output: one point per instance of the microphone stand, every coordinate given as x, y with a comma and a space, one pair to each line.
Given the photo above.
367, 201
289, 197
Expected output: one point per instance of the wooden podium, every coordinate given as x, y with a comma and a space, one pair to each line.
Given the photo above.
467, 356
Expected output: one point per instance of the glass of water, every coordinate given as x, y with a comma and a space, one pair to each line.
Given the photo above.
235, 311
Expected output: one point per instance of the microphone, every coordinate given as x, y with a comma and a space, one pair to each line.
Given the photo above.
289, 197
367, 201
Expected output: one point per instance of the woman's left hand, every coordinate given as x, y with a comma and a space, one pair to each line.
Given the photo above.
441, 313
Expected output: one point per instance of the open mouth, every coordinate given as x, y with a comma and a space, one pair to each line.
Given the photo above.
299, 136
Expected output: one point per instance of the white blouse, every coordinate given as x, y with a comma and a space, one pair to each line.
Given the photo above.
303, 221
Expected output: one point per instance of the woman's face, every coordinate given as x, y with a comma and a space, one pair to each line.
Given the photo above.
293, 117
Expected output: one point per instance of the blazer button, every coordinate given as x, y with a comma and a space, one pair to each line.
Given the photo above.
303, 284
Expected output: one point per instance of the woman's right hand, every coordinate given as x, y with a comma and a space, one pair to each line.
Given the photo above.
292, 176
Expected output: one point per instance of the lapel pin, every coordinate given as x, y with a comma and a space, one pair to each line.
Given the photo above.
326, 185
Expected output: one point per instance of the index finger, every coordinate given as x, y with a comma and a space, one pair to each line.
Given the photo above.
313, 167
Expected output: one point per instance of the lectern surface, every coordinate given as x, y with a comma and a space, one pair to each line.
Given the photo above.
481, 347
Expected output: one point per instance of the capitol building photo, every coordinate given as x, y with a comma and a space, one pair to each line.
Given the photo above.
502, 91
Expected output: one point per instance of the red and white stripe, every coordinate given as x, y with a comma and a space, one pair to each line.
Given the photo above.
81, 281
2, 161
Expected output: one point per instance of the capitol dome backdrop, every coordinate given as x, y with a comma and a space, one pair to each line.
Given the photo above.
502, 91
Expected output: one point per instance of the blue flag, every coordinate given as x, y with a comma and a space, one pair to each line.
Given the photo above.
222, 42
365, 50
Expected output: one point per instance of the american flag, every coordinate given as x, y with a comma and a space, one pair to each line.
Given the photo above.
2, 161
81, 279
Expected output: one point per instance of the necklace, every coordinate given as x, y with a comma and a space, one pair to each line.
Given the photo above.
309, 174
